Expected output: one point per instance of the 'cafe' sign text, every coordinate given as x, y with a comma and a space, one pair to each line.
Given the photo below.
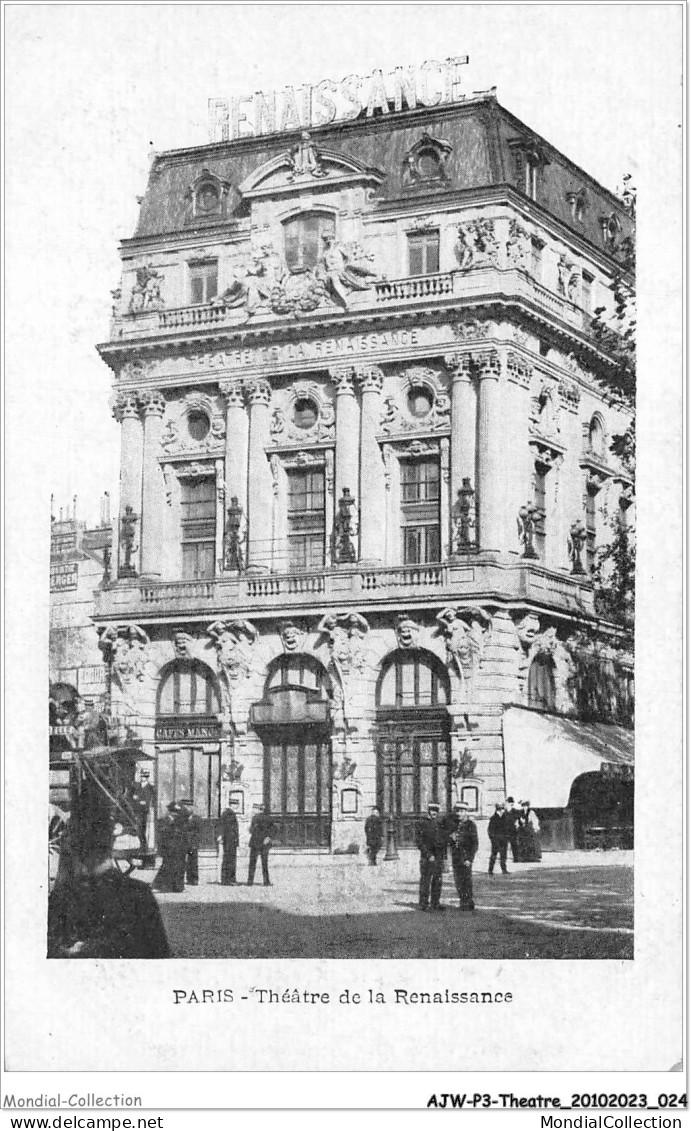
267, 112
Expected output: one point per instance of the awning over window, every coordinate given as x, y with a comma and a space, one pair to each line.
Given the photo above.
543, 754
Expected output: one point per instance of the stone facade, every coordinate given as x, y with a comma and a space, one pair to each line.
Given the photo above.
419, 364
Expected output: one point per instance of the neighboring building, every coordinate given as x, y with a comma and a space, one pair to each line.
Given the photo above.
365, 473
79, 567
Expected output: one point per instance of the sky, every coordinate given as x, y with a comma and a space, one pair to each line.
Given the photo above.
93, 90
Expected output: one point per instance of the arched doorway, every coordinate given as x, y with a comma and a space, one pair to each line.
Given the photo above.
294, 723
188, 732
602, 803
413, 748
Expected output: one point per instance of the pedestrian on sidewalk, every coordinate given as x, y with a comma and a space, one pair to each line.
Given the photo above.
499, 831
463, 842
513, 813
374, 834
229, 837
172, 846
431, 837
529, 847
193, 832
261, 840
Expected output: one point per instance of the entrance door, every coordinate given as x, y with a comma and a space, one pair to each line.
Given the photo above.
413, 770
297, 790
187, 772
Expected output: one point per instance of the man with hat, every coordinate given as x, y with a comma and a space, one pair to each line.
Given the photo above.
431, 838
143, 800
172, 846
463, 840
499, 831
193, 833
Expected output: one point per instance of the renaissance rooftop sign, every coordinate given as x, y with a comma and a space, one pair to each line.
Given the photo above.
304, 107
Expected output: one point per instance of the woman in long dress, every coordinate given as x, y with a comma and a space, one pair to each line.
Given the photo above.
528, 835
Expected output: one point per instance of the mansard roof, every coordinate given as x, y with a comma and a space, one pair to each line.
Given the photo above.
479, 140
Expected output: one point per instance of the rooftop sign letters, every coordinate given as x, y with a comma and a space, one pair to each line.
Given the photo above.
267, 112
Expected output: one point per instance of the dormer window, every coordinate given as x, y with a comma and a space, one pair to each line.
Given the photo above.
577, 202
208, 197
426, 161
610, 228
529, 161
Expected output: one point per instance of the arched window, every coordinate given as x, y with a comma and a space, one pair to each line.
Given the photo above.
303, 239
596, 436
413, 679
298, 670
541, 689
188, 687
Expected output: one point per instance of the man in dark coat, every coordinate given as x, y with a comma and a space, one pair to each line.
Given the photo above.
431, 837
513, 817
261, 839
499, 831
193, 829
172, 846
463, 841
143, 800
373, 834
229, 837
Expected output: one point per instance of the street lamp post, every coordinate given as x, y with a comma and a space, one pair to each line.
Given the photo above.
390, 758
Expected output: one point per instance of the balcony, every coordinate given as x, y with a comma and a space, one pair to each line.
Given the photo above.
484, 284
474, 577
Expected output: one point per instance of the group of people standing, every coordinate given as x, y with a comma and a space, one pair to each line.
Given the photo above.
179, 840
515, 826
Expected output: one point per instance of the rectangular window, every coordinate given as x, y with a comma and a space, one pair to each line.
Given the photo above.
423, 253
536, 259
306, 519
420, 492
540, 500
203, 281
198, 527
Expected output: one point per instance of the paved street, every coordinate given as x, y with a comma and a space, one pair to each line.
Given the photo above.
572, 905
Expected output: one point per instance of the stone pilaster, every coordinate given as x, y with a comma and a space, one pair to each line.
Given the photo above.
126, 412
237, 436
371, 493
463, 454
490, 446
260, 485
153, 486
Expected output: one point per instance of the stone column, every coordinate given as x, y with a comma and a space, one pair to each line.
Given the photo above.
463, 426
260, 488
490, 446
347, 431
153, 486
126, 412
371, 488
236, 441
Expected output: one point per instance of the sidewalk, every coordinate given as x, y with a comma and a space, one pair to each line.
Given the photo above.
572, 905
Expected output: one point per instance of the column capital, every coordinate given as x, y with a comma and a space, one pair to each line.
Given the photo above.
460, 364
258, 392
518, 370
487, 365
369, 377
152, 402
125, 406
233, 392
342, 380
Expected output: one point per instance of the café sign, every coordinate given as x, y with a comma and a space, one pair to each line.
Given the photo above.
187, 729
273, 111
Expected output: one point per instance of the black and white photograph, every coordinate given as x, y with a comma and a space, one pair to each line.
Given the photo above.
334, 563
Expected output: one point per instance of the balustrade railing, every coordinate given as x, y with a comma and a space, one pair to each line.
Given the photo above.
183, 316
427, 576
423, 286
162, 592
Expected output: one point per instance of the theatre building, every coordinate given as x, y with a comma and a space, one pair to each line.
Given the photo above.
366, 471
